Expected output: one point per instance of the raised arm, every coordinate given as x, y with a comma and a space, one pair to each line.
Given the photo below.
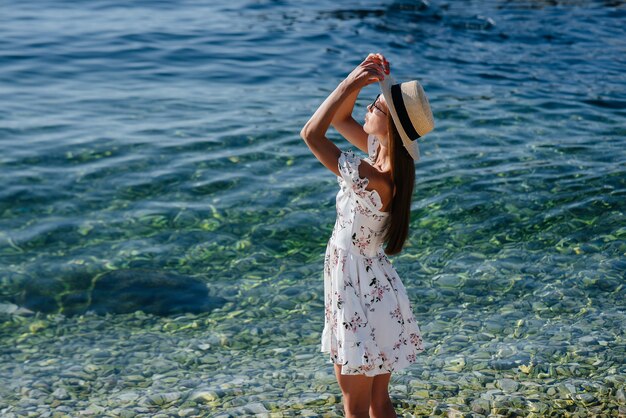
314, 131
343, 121
345, 124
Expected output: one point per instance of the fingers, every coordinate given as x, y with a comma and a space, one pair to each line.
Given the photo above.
374, 69
376, 56
385, 63
380, 60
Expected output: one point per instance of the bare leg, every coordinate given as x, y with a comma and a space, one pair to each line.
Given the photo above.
380, 403
357, 392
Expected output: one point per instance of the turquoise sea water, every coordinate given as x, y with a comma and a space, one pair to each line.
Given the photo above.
146, 144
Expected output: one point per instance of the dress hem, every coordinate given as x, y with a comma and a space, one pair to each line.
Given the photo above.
373, 372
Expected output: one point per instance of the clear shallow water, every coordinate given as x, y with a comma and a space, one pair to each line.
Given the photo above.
163, 136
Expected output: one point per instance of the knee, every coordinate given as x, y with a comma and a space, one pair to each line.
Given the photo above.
380, 408
382, 401
356, 411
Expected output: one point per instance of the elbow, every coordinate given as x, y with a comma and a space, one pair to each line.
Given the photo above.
311, 132
304, 133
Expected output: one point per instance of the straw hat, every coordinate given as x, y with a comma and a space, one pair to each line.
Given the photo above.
410, 110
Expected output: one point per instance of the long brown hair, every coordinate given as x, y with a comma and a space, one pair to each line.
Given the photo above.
403, 174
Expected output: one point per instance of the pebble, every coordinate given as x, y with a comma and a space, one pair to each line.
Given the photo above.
450, 281
455, 364
420, 393
61, 394
508, 385
256, 408
620, 396
162, 398
206, 395
480, 406
587, 398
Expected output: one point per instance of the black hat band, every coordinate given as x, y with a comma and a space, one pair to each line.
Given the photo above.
405, 121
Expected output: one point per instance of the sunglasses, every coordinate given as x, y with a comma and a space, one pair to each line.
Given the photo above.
373, 104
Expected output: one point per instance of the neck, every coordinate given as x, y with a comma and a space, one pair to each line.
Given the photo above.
382, 159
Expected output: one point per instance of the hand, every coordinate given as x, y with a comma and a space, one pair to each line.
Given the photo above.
371, 70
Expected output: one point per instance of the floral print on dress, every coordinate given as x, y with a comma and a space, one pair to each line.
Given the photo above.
355, 322
416, 339
361, 239
339, 300
369, 326
397, 315
378, 290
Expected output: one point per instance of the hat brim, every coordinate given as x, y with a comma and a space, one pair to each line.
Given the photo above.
411, 146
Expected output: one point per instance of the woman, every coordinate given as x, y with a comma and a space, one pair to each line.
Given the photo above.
369, 328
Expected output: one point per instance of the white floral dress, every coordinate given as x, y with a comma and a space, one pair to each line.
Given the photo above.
369, 326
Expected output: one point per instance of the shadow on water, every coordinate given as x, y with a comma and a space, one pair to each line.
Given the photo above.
118, 292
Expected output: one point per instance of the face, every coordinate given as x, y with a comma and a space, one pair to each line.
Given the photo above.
376, 119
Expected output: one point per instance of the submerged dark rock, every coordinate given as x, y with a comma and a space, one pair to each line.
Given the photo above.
120, 291
154, 292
